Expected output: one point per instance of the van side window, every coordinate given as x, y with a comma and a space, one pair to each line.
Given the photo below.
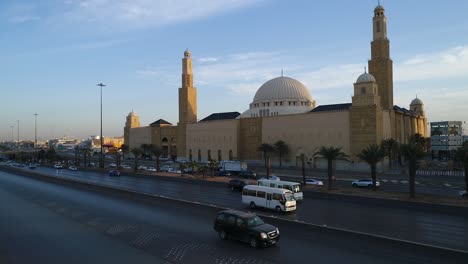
252, 193
240, 222
245, 191
287, 187
231, 220
272, 185
261, 194
280, 186
277, 196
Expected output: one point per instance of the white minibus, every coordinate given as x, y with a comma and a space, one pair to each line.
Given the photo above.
272, 198
294, 187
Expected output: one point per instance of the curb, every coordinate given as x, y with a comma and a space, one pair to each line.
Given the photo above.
149, 195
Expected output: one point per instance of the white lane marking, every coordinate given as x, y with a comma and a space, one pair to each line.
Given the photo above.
384, 180
394, 181
404, 182
447, 184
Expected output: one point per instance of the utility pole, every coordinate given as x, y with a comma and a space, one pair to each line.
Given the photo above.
101, 158
18, 143
12, 137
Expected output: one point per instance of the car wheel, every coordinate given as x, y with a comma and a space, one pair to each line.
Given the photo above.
222, 235
278, 209
369, 186
253, 242
354, 185
252, 205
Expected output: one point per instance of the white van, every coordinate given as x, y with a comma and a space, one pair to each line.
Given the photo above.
272, 198
294, 187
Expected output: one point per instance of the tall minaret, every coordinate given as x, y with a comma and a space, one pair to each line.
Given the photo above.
380, 65
133, 121
187, 104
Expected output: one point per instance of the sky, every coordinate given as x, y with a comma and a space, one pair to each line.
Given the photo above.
54, 52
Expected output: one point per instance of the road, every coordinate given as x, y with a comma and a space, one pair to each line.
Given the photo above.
430, 227
52, 223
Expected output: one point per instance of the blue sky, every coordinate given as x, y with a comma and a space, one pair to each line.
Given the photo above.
54, 52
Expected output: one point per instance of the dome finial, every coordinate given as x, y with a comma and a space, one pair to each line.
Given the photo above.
365, 69
281, 72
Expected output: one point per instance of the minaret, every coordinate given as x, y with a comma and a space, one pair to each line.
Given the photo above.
133, 120
187, 104
380, 65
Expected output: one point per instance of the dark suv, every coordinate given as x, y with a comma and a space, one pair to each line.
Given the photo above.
246, 227
236, 185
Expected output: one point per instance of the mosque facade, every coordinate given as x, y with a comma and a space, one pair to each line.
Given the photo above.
283, 109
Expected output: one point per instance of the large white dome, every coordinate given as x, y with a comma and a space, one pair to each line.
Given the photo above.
280, 96
282, 88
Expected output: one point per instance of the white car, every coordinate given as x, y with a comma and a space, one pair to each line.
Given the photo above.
112, 165
314, 182
173, 170
151, 169
364, 183
462, 193
57, 166
272, 177
165, 168
72, 168
126, 167
142, 167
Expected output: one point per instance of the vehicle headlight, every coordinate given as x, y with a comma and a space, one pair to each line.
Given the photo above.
277, 231
263, 236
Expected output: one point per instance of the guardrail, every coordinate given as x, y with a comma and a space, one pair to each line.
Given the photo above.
441, 173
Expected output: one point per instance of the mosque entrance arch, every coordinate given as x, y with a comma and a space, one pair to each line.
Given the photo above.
173, 148
165, 147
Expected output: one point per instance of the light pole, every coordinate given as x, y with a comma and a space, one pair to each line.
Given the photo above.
18, 143
35, 130
101, 158
12, 137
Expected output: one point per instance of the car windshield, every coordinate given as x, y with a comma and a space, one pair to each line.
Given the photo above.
254, 221
288, 197
296, 188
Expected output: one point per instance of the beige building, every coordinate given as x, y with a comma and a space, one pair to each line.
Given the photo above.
283, 109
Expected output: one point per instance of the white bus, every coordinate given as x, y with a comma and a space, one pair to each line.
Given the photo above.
294, 187
258, 196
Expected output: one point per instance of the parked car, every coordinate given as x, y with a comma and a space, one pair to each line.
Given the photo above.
364, 183
174, 170
141, 167
112, 165
153, 169
32, 166
72, 168
127, 167
314, 182
236, 185
114, 173
462, 193
165, 168
57, 166
246, 227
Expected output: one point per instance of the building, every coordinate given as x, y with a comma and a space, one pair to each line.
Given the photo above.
283, 109
446, 136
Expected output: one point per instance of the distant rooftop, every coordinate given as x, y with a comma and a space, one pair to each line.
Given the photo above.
221, 116
160, 122
332, 107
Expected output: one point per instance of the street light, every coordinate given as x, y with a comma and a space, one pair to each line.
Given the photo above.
101, 158
35, 130
17, 144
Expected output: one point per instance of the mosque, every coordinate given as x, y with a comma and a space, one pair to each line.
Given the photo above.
283, 109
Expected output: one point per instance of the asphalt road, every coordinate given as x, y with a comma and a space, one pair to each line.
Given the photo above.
50, 223
434, 228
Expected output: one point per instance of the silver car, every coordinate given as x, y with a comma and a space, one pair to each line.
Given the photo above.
364, 183
314, 182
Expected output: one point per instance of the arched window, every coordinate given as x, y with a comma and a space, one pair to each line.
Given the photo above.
209, 154
190, 154
219, 155
230, 154
199, 155
363, 90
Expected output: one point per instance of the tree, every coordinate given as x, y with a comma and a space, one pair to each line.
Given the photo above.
192, 165
145, 148
330, 154
137, 152
182, 167
462, 155
281, 148
389, 146
51, 155
421, 141
213, 164
125, 149
157, 152
373, 154
412, 152
266, 149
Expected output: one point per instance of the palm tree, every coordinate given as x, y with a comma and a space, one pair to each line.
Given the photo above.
462, 155
389, 145
281, 148
182, 167
212, 164
330, 154
125, 149
265, 149
145, 148
412, 152
193, 164
373, 154
157, 152
137, 152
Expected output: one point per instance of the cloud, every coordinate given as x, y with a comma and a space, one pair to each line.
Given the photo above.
20, 19
448, 63
130, 14
21, 13
207, 60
